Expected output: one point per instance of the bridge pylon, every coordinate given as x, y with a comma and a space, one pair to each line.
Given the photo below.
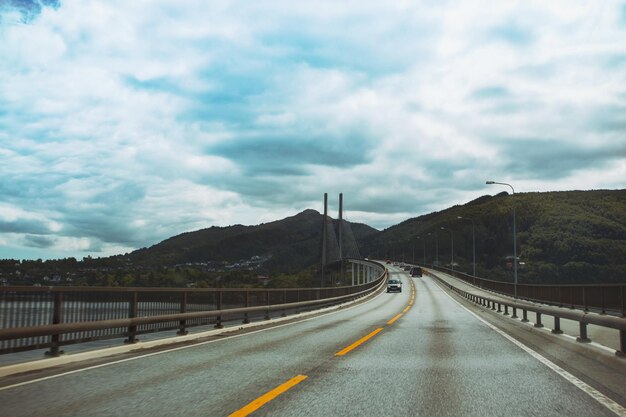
338, 242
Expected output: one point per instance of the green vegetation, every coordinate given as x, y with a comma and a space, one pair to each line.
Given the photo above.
284, 253
563, 237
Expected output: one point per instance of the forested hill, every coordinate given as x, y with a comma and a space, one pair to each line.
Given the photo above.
563, 237
287, 245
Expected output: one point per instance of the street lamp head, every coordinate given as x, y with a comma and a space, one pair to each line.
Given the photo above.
490, 182
459, 217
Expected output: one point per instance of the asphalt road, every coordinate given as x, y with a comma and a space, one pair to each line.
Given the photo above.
436, 359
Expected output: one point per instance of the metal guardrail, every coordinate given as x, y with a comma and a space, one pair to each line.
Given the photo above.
51, 317
584, 318
601, 297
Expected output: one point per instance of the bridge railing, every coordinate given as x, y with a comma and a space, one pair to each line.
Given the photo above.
600, 297
51, 317
583, 318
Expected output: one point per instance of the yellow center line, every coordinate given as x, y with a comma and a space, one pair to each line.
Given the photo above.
264, 399
359, 342
395, 318
375, 332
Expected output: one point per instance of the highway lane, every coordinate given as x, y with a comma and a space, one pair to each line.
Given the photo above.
435, 359
215, 378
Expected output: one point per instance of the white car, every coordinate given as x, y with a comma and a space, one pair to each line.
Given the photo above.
394, 285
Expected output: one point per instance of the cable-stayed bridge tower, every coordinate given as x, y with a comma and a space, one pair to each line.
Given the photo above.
338, 242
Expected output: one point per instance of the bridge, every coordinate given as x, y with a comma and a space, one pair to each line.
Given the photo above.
449, 344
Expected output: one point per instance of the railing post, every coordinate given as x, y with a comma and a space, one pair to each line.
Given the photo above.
524, 316
622, 343
218, 319
506, 309
57, 316
557, 326
182, 330
602, 300
538, 320
583, 333
267, 302
284, 302
132, 313
246, 319
514, 316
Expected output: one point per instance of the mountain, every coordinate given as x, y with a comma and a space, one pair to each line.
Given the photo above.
289, 245
562, 237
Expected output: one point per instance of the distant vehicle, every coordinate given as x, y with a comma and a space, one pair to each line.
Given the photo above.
407, 267
394, 285
416, 271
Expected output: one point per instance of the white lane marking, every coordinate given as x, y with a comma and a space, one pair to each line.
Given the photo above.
180, 348
592, 392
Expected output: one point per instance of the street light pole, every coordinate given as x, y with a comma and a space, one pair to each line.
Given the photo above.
514, 236
473, 243
451, 247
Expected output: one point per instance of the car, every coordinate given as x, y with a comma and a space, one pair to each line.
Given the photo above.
394, 285
416, 271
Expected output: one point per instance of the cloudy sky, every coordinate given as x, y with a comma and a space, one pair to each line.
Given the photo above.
124, 122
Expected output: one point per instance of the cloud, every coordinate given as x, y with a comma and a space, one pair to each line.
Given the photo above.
41, 242
490, 92
24, 226
553, 159
124, 123
27, 9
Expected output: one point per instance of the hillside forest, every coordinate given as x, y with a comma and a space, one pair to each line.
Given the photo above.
569, 237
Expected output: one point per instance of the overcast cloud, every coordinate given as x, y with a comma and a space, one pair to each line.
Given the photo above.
123, 123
